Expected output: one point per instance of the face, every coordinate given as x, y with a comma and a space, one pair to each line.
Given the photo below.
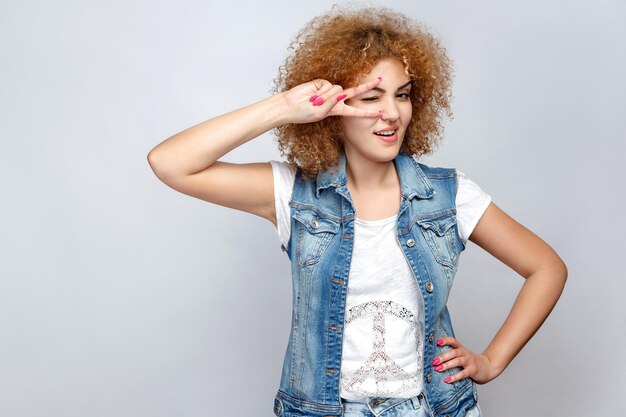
379, 138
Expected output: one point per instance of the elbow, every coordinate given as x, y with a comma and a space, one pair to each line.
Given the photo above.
558, 268
560, 275
564, 272
152, 159
156, 165
562, 269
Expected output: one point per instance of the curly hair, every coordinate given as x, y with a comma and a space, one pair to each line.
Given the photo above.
342, 46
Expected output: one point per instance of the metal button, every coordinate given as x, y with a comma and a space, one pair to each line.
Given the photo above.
429, 377
278, 407
431, 337
429, 286
410, 243
314, 223
377, 401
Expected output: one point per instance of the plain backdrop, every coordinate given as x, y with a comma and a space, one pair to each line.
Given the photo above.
120, 297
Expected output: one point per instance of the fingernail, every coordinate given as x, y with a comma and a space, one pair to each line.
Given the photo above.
440, 342
448, 379
341, 97
312, 99
380, 78
318, 101
438, 368
436, 361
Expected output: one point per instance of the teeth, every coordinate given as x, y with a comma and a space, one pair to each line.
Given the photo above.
385, 133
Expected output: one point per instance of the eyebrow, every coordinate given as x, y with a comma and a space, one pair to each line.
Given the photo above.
380, 90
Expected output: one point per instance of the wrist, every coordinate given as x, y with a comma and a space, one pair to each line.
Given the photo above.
279, 110
496, 367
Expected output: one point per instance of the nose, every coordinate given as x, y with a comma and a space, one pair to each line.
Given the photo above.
390, 109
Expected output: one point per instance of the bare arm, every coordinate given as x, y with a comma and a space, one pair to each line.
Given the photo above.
196, 148
188, 161
545, 274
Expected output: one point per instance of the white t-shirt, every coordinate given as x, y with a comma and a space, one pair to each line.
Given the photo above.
383, 326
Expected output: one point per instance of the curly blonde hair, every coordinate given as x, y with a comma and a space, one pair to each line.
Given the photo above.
342, 46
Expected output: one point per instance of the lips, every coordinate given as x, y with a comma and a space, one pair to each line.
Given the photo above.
388, 138
388, 131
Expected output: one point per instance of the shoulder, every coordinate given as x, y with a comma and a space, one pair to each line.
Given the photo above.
283, 167
284, 173
433, 171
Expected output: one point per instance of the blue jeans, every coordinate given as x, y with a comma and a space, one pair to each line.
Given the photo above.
394, 407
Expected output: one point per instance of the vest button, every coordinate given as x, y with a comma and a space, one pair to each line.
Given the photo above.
429, 286
431, 337
410, 243
314, 223
429, 377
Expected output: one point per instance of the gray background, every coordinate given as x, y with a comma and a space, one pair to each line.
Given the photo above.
121, 297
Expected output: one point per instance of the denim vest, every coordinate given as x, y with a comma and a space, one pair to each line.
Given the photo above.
320, 251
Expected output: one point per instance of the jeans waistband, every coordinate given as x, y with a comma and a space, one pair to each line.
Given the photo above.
378, 405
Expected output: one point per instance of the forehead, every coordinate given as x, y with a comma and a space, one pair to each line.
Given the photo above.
391, 69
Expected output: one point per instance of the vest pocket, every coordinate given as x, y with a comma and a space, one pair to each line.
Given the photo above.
440, 233
314, 235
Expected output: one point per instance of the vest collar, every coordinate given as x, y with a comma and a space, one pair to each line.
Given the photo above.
413, 181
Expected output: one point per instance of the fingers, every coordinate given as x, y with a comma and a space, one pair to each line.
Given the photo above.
362, 88
333, 100
324, 95
456, 357
350, 111
446, 358
322, 87
345, 110
458, 376
448, 340
477, 367
333, 96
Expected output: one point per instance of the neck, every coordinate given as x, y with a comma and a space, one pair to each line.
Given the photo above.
367, 175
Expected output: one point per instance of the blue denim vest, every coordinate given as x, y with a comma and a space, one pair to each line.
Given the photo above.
320, 251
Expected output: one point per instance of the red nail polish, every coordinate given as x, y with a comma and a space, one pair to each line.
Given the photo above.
318, 101
448, 379
436, 361
341, 97
380, 78
313, 98
440, 342
438, 368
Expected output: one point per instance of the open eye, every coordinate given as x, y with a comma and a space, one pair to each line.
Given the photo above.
404, 96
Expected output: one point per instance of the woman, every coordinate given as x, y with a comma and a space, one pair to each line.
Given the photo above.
373, 236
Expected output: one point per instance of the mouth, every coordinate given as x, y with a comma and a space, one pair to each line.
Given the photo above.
388, 135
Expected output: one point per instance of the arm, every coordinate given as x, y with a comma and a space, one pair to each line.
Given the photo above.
545, 274
188, 161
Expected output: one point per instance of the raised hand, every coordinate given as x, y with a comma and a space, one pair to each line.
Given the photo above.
317, 99
477, 367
